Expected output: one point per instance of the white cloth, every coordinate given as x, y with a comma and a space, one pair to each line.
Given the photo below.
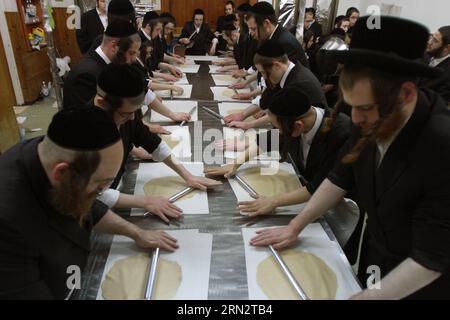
149, 97
109, 197
308, 138
162, 152
103, 19
102, 55
146, 35
257, 100
435, 62
286, 74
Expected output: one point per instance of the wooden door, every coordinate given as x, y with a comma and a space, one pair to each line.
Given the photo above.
9, 131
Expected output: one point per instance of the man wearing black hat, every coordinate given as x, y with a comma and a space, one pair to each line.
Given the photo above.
197, 36
439, 50
122, 99
47, 187
151, 31
272, 62
221, 22
397, 160
122, 10
263, 24
93, 24
81, 83
306, 137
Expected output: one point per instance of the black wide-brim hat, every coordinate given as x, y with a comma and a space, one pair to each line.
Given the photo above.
396, 47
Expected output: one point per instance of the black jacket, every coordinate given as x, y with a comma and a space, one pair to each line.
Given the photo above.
407, 197
202, 40
442, 84
81, 83
91, 28
37, 244
299, 77
316, 28
250, 48
291, 45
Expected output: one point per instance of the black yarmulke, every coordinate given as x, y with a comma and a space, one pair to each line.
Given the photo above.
120, 7
229, 26
263, 9
244, 8
120, 29
151, 15
289, 103
271, 49
121, 80
83, 129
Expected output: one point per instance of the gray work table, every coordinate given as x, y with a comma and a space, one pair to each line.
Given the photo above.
228, 276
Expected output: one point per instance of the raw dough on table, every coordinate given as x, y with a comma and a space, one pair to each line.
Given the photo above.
167, 187
127, 279
270, 185
314, 276
228, 93
224, 77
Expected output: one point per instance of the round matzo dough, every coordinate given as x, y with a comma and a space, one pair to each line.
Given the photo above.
314, 276
171, 140
270, 185
166, 187
127, 279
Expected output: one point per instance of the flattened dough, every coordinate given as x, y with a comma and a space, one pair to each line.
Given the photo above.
171, 140
314, 276
270, 185
127, 279
228, 93
166, 187
225, 77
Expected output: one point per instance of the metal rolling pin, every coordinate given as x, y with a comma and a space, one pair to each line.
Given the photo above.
289, 275
152, 275
190, 113
175, 197
213, 113
246, 187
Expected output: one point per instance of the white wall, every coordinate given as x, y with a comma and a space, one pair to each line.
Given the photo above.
432, 13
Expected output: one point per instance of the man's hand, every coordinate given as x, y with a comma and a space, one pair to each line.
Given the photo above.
168, 77
202, 183
280, 238
241, 125
226, 171
243, 96
231, 145
185, 41
261, 206
147, 239
234, 117
162, 207
176, 72
238, 85
239, 74
180, 117
158, 129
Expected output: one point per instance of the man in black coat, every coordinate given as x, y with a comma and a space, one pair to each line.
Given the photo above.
439, 51
278, 72
397, 161
311, 23
197, 36
93, 24
47, 187
314, 150
263, 24
81, 83
221, 22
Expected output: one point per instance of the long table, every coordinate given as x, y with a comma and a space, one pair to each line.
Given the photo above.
228, 277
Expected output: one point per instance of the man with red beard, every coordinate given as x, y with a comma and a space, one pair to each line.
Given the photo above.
48, 186
397, 162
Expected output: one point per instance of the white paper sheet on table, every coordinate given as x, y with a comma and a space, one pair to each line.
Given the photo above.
183, 150
243, 195
176, 106
226, 107
202, 58
215, 69
238, 135
186, 94
223, 79
219, 96
314, 240
193, 255
149, 171
189, 68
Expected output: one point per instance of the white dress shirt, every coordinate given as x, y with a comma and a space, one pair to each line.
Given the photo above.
308, 138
